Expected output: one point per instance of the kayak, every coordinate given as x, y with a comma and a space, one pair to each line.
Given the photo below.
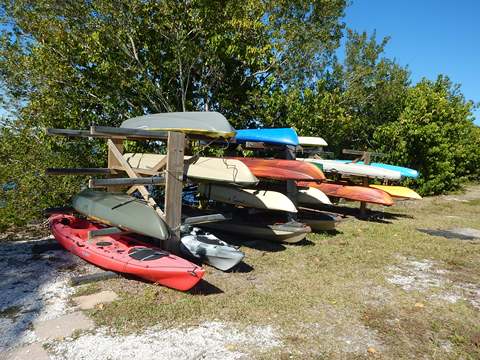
406, 172
258, 199
318, 220
353, 169
311, 141
210, 250
398, 191
352, 192
279, 169
204, 169
209, 123
312, 196
276, 136
118, 209
123, 254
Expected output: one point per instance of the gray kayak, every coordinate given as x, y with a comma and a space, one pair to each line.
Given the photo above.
210, 250
208, 123
289, 232
123, 211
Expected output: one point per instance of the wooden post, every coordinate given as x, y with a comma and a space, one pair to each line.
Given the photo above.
291, 185
115, 152
363, 205
173, 188
112, 160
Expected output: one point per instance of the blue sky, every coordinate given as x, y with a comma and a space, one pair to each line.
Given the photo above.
430, 36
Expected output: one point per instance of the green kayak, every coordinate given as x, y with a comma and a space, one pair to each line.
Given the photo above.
123, 211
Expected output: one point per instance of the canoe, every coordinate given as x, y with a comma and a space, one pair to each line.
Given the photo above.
124, 254
205, 169
210, 250
121, 210
353, 169
312, 196
406, 172
398, 191
278, 169
210, 123
352, 192
276, 136
311, 141
258, 199
318, 220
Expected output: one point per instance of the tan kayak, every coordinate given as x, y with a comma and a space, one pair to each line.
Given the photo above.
205, 169
398, 191
258, 199
312, 196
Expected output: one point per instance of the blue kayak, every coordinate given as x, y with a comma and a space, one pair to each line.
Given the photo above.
406, 172
278, 136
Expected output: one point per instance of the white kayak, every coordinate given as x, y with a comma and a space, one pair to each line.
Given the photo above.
312, 196
311, 141
352, 169
258, 199
206, 169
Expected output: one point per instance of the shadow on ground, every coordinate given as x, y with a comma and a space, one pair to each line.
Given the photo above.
33, 286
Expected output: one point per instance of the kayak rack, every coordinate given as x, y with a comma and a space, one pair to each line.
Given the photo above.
168, 172
366, 157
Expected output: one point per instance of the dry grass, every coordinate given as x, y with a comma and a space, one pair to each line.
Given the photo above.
333, 296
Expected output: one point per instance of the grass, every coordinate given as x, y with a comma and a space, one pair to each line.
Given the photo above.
330, 297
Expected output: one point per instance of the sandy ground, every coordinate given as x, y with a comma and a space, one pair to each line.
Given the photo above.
35, 288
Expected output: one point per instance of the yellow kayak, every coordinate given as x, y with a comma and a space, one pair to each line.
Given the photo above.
398, 191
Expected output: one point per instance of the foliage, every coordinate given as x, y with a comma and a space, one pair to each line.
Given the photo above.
435, 135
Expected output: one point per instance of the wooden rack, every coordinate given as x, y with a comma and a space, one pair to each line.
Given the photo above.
172, 168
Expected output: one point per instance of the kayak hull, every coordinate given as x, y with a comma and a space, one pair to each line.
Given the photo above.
311, 141
204, 169
210, 123
277, 136
124, 254
355, 170
121, 210
406, 172
318, 220
312, 196
353, 193
278, 169
210, 250
398, 191
258, 199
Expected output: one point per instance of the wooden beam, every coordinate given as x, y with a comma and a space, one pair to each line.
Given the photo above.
173, 188
154, 180
125, 132
79, 171
139, 171
292, 192
116, 153
362, 153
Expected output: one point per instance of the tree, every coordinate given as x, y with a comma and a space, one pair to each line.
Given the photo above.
434, 134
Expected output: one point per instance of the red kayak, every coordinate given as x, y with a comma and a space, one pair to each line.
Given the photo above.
278, 169
352, 192
124, 254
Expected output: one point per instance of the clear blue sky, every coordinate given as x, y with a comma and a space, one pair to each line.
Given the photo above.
430, 36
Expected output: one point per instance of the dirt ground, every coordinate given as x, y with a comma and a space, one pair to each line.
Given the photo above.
388, 288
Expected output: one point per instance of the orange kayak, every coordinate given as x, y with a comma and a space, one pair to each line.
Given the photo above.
352, 192
278, 169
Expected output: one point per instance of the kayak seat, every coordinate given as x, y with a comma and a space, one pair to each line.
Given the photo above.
146, 254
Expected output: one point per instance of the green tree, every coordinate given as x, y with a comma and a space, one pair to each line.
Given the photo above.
434, 134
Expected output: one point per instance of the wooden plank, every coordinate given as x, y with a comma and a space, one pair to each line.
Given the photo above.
89, 278
125, 132
79, 171
154, 180
139, 171
362, 153
173, 188
112, 160
116, 153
